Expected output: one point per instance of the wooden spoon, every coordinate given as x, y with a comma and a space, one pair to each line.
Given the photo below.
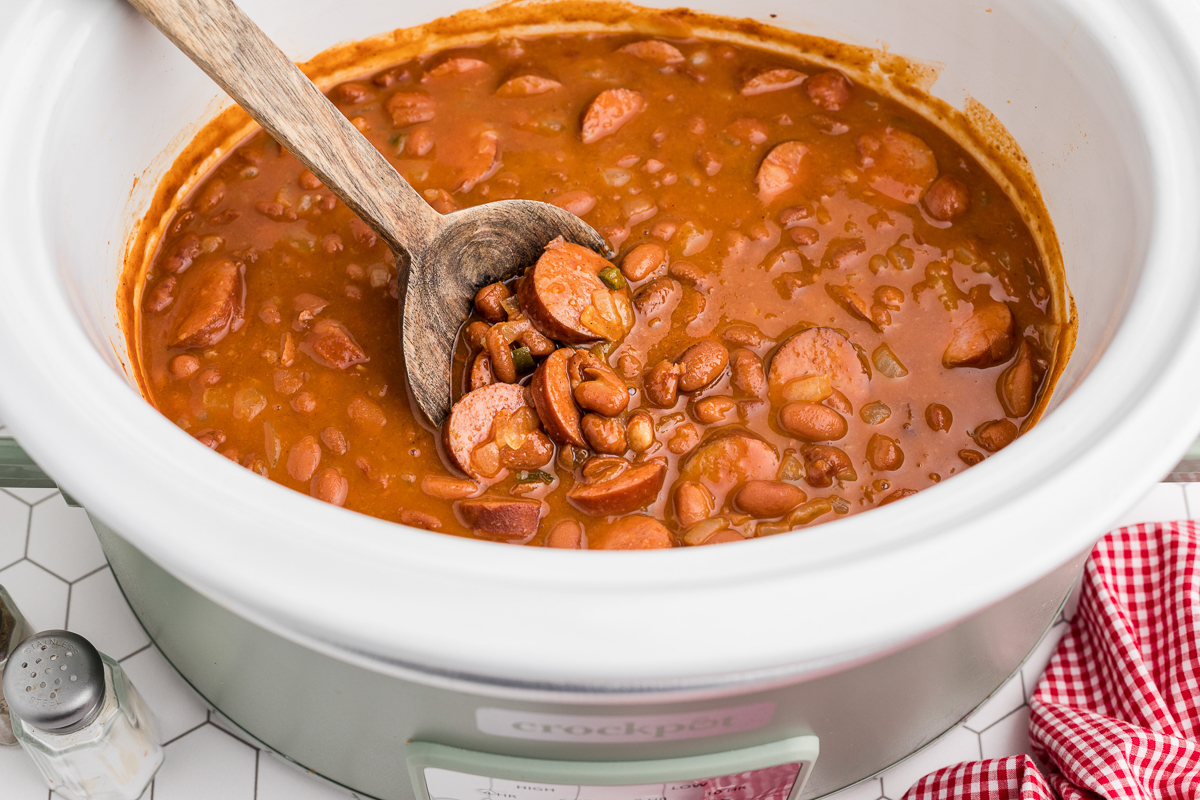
443, 259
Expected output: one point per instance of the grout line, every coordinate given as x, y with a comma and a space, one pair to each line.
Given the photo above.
67, 616
28, 531
257, 756
1187, 505
89, 574
185, 733
235, 738
144, 647
50, 496
47, 570
20, 500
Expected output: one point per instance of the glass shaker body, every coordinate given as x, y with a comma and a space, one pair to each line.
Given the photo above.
114, 757
13, 630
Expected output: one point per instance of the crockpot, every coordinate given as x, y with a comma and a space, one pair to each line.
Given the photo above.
349, 644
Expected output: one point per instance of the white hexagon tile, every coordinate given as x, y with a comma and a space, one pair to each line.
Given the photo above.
54, 569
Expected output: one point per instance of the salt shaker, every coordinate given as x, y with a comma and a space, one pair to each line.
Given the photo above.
13, 630
80, 719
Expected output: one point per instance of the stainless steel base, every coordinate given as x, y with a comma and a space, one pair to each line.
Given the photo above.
350, 724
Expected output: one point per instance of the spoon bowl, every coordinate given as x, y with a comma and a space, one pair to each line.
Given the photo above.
443, 260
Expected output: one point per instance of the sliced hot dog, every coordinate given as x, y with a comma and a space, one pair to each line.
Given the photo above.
820, 351
211, 307
551, 391
631, 533
331, 345
623, 494
559, 288
507, 519
470, 422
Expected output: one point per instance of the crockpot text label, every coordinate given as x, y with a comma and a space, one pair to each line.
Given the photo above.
516, 724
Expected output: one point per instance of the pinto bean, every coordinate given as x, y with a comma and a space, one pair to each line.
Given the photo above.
995, 435
659, 295
947, 199
470, 422
452, 67
550, 390
712, 410
184, 366
782, 169
603, 392
772, 80
409, 108
640, 431
566, 534
897, 164
829, 90
884, 452
693, 503
420, 519
661, 384
604, 434
768, 499
303, 458
823, 463
746, 374
476, 334
489, 302
643, 260
527, 86
211, 307
444, 487
812, 422
161, 296
654, 51
683, 439
899, 494
366, 416
1015, 387
559, 287
506, 519
609, 112
331, 486
984, 340
335, 441
331, 345
723, 537
624, 493
701, 364
938, 417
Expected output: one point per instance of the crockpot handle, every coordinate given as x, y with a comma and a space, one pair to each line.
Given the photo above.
18, 470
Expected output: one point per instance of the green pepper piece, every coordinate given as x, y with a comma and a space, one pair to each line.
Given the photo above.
522, 360
612, 278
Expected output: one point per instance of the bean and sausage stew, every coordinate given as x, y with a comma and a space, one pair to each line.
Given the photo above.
819, 303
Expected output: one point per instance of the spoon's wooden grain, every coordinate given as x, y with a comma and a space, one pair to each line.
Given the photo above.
442, 259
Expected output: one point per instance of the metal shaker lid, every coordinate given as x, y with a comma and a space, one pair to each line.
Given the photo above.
54, 681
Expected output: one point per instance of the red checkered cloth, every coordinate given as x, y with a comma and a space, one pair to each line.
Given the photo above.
1117, 714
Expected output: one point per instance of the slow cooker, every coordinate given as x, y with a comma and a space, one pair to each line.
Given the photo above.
401, 663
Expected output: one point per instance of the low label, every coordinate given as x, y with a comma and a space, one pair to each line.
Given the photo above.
768, 783
515, 724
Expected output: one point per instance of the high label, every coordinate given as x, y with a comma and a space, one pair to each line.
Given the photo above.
515, 724
768, 783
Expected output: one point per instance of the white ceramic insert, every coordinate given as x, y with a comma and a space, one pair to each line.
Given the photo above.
1102, 95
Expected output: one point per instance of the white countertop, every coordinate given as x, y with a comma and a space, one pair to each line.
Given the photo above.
52, 565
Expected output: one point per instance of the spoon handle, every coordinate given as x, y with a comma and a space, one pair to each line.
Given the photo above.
235, 53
